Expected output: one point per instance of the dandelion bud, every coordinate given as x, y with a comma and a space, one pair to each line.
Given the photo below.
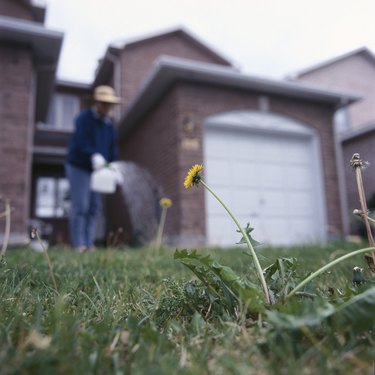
165, 202
357, 162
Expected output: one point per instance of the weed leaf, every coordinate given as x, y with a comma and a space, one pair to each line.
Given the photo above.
248, 230
356, 314
223, 282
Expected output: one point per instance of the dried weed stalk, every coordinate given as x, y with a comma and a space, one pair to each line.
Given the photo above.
358, 164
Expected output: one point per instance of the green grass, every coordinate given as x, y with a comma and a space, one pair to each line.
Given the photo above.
120, 312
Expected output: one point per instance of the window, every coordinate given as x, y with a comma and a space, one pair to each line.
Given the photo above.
64, 108
52, 197
341, 120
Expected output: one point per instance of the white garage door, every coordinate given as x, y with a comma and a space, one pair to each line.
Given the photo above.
268, 173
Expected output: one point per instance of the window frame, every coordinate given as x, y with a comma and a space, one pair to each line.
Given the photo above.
58, 201
58, 117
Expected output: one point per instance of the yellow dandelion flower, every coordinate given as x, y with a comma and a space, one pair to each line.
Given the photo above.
165, 202
193, 177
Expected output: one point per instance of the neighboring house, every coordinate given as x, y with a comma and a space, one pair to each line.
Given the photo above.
267, 146
29, 55
354, 72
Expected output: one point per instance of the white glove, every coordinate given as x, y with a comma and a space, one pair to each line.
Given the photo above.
98, 161
118, 175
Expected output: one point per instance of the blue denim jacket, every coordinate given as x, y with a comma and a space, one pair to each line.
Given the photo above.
92, 134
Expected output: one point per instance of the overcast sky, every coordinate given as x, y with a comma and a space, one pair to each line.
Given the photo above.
267, 38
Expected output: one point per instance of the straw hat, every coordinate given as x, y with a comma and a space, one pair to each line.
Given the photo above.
106, 94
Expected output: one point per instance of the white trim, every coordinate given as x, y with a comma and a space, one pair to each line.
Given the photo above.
48, 128
347, 136
117, 74
16, 238
331, 61
264, 122
46, 43
48, 150
343, 194
167, 70
73, 84
320, 191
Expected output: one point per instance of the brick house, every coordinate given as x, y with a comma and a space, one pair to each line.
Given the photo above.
354, 72
267, 146
28, 57
190, 107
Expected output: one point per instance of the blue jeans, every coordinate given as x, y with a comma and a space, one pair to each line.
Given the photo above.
85, 205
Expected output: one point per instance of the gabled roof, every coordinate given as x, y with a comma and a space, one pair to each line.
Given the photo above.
356, 133
178, 30
105, 67
73, 84
38, 12
360, 51
168, 70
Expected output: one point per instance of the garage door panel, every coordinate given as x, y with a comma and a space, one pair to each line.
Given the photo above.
244, 173
272, 230
273, 202
295, 151
245, 201
270, 151
216, 144
267, 179
250, 203
223, 231
298, 230
301, 202
219, 172
212, 204
244, 148
298, 177
271, 174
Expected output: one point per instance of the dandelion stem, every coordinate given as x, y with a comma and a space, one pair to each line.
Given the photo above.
7, 227
370, 219
48, 260
326, 267
357, 163
245, 236
159, 234
362, 199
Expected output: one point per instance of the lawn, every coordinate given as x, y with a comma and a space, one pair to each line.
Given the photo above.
138, 311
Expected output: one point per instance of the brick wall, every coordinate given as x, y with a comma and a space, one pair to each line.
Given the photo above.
154, 145
16, 95
16, 9
137, 59
365, 146
157, 143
